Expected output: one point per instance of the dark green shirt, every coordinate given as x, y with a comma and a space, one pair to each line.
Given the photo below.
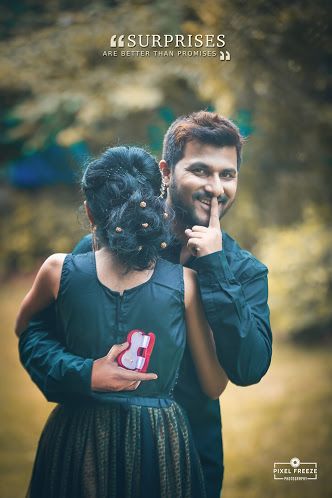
234, 291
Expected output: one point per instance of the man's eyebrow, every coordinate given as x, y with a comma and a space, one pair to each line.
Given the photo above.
200, 164
229, 170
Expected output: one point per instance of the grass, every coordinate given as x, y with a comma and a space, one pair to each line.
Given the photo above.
288, 414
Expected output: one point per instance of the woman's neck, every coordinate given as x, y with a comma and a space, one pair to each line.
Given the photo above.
116, 276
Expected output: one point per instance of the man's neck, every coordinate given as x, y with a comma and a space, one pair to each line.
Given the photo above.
178, 230
185, 255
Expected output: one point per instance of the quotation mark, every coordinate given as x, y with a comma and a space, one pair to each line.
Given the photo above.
224, 57
117, 41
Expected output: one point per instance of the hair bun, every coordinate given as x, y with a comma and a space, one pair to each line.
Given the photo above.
122, 191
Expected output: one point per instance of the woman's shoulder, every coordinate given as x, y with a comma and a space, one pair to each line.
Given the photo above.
169, 274
77, 271
55, 260
59, 262
79, 264
50, 272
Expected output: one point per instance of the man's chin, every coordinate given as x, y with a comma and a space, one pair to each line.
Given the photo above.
202, 221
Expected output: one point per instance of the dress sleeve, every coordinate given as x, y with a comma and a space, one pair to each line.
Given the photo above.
238, 313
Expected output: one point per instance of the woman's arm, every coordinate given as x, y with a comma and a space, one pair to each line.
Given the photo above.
212, 376
43, 291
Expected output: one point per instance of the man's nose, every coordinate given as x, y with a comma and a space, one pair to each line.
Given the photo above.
215, 186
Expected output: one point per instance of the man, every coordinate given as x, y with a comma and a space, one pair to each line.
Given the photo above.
200, 166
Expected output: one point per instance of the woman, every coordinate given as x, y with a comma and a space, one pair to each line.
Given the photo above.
131, 443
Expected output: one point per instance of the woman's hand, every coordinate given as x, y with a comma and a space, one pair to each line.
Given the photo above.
107, 375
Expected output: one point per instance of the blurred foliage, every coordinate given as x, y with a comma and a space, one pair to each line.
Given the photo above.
56, 87
300, 262
37, 226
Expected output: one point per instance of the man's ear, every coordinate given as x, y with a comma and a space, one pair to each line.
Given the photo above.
88, 212
165, 171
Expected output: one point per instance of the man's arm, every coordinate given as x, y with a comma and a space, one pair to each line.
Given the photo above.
84, 245
56, 372
238, 314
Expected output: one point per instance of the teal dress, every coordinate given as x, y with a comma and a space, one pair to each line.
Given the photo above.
127, 444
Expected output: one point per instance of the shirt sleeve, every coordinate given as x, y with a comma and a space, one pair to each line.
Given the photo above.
84, 245
238, 315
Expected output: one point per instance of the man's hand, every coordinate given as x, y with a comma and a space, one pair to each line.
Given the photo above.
107, 375
206, 240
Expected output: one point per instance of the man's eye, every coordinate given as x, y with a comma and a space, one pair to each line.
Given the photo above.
199, 171
228, 174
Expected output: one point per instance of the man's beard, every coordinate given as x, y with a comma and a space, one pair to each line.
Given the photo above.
186, 214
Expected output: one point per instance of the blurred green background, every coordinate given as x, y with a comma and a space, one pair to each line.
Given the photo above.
62, 101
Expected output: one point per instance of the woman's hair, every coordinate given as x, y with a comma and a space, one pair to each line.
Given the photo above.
122, 192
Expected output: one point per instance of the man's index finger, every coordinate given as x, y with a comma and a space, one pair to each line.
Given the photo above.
214, 214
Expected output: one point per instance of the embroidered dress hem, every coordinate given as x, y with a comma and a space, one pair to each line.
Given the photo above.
116, 451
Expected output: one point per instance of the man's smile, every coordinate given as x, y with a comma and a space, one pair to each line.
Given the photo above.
205, 204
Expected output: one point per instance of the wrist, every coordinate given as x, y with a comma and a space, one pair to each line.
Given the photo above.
206, 252
95, 377
213, 267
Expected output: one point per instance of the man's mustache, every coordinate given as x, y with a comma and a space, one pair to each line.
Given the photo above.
198, 196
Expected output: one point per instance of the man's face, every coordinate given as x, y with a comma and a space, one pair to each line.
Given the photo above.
204, 171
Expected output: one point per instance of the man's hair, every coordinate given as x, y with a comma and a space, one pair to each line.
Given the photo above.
204, 127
